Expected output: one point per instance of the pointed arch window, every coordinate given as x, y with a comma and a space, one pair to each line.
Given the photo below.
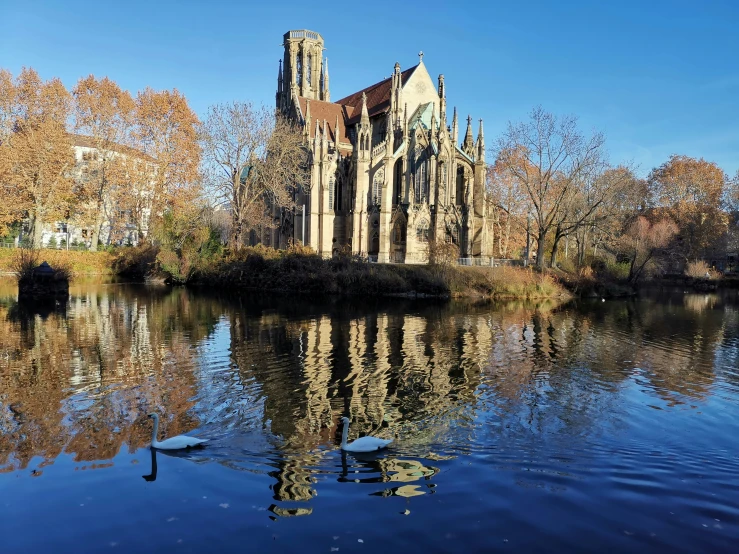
309, 69
331, 193
422, 231
377, 187
398, 232
398, 182
421, 178
374, 243
298, 70
444, 179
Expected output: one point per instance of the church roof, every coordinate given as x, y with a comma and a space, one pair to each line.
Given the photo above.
349, 108
422, 115
320, 110
378, 96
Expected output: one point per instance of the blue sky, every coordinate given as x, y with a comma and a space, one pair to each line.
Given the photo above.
657, 77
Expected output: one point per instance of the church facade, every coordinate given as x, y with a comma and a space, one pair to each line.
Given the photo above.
387, 172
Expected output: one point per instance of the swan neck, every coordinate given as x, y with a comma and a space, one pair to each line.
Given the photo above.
344, 435
155, 431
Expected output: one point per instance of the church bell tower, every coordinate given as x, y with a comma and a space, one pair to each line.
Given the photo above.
303, 71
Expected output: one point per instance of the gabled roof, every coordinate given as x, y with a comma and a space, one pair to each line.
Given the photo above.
378, 96
422, 115
320, 110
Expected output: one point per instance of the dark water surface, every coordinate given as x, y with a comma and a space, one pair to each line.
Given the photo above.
521, 427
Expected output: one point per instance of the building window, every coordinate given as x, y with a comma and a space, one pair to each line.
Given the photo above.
443, 179
309, 69
452, 235
398, 182
60, 227
422, 232
374, 243
460, 192
298, 70
331, 193
398, 233
377, 187
421, 180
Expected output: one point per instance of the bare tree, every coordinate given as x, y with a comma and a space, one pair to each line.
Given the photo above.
643, 240
551, 160
593, 208
254, 161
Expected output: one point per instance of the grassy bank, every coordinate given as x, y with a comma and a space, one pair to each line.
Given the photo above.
299, 271
80, 263
269, 270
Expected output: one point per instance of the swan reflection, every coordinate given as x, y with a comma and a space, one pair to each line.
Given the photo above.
152, 476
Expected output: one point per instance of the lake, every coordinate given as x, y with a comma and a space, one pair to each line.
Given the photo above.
517, 426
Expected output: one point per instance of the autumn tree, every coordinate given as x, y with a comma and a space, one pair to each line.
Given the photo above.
36, 154
104, 113
731, 194
509, 204
254, 161
731, 202
168, 178
550, 159
691, 191
7, 105
599, 209
643, 240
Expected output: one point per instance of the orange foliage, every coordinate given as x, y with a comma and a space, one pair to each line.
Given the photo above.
36, 156
692, 190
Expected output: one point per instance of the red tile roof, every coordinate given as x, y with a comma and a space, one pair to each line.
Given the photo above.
378, 96
320, 110
349, 109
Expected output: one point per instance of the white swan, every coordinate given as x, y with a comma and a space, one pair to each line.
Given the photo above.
172, 443
362, 444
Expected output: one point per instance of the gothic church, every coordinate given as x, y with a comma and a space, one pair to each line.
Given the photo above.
387, 173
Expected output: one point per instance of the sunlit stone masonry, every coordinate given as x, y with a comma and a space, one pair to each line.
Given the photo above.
387, 172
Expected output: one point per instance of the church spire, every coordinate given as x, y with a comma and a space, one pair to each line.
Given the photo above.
306, 124
365, 114
455, 128
469, 145
442, 102
480, 143
280, 96
325, 94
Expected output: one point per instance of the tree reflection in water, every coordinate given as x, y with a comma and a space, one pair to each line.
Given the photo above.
278, 375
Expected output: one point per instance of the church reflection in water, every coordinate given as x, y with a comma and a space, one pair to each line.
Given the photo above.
81, 381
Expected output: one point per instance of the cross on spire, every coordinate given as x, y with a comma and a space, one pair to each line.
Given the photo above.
420, 56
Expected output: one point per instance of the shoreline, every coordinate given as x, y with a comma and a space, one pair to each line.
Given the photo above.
256, 270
